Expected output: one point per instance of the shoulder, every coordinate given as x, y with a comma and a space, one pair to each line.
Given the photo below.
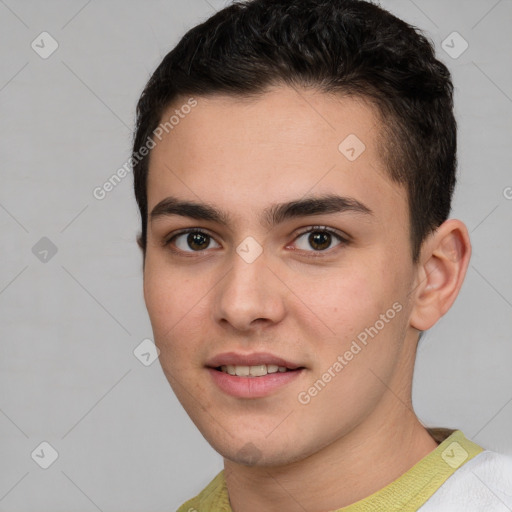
483, 484
213, 498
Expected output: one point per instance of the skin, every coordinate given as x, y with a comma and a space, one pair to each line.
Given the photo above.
243, 155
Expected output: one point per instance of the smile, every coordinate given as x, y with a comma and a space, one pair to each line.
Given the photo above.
252, 371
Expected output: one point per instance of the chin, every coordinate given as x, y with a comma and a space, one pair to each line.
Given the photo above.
259, 452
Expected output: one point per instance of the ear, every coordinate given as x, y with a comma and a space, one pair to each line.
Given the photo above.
443, 263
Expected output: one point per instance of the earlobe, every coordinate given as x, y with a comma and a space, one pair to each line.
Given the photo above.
443, 264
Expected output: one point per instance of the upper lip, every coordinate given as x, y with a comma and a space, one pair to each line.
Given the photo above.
254, 359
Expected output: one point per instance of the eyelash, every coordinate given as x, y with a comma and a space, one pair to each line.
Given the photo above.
312, 229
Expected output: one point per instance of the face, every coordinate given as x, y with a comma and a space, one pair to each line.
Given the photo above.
273, 239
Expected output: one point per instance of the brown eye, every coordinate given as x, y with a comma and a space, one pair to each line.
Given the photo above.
198, 241
192, 241
319, 239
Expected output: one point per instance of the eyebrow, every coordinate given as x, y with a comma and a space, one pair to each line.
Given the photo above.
271, 216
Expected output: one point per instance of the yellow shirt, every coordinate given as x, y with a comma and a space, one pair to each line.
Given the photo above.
405, 494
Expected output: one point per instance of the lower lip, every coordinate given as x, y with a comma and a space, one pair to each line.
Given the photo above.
252, 387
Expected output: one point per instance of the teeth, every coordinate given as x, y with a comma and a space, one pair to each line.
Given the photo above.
242, 371
258, 371
252, 371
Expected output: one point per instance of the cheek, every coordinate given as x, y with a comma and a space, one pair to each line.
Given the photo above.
348, 298
360, 303
172, 302
168, 292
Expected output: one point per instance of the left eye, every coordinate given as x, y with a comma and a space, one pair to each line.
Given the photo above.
320, 239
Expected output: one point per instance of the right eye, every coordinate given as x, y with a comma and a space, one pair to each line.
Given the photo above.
191, 240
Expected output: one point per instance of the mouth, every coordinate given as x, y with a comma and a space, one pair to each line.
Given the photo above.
259, 370
255, 364
255, 375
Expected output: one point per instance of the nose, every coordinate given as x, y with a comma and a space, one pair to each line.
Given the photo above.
249, 295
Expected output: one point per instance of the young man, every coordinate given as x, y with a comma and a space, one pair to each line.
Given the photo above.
294, 164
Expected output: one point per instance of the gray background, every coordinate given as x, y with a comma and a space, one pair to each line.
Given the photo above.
69, 325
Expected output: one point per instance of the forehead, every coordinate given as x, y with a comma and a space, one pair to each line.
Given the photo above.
249, 152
